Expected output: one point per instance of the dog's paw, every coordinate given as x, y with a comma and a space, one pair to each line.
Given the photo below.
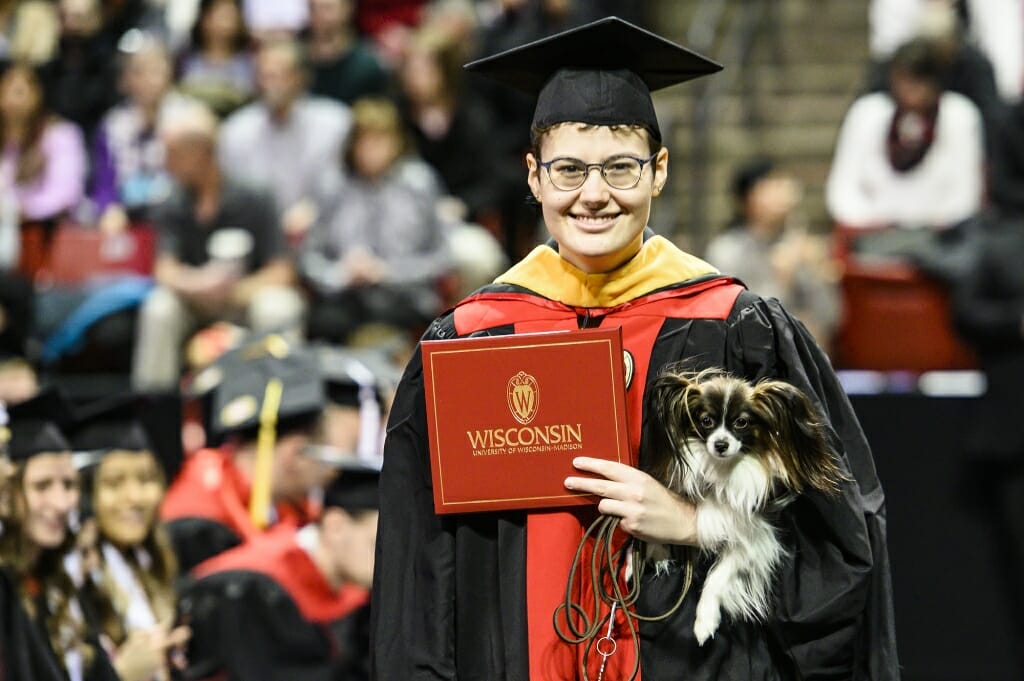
706, 623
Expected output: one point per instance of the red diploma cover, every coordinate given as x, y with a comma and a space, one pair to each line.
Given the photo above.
507, 415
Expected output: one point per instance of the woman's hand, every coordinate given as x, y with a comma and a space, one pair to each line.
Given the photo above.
143, 655
648, 510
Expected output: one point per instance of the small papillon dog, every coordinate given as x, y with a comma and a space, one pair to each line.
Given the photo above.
736, 450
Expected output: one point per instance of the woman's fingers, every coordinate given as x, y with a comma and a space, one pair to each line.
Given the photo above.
613, 470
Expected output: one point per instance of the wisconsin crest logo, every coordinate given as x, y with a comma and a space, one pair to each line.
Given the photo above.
523, 397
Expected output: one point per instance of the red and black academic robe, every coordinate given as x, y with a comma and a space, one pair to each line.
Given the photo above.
206, 508
264, 611
471, 596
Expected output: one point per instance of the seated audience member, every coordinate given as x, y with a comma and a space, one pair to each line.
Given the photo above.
285, 139
909, 157
39, 496
221, 254
222, 496
217, 68
378, 248
449, 122
343, 65
43, 158
775, 257
129, 576
81, 79
303, 597
128, 174
964, 68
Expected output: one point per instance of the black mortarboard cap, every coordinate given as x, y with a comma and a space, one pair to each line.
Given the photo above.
239, 398
202, 385
601, 73
131, 422
37, 425
354, 488
347, 371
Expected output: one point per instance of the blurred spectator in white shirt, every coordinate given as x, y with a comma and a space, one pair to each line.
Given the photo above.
909, 157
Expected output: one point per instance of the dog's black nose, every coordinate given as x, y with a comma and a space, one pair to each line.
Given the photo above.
721, 446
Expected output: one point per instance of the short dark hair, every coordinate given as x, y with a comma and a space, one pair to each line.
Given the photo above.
919, 59
537, 134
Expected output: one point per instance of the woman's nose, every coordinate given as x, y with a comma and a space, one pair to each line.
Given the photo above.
64, 499
594, 188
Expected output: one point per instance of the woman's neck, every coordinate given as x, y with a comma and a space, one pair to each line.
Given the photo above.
15, 132
219, 51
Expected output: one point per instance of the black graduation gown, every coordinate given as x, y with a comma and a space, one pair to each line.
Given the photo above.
101, 668
449, 591
24, 654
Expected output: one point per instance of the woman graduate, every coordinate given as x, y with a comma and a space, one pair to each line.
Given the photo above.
130, 589
472, 596
36, 504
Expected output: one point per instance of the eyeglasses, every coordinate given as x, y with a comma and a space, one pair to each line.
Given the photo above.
620, 172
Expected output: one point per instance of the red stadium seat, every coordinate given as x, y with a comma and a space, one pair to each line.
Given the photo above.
894, 317
78, 254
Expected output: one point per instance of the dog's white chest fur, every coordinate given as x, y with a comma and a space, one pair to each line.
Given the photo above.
729, 496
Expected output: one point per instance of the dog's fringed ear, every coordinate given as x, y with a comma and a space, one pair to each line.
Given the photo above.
666, 418
799, 436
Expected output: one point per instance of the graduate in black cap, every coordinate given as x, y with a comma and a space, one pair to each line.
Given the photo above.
123, 443
360, 384
264, 411
473, 596
292, 605
37, 501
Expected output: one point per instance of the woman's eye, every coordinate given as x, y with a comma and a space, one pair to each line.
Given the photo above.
569, 168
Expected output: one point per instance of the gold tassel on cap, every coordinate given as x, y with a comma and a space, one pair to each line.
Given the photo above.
259, 502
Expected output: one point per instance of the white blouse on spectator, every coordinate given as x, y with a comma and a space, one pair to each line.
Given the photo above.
864, 190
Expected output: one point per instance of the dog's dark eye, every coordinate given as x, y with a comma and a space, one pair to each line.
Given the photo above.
706, 421
741, 423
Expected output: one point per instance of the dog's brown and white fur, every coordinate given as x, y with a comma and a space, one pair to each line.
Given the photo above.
733, 448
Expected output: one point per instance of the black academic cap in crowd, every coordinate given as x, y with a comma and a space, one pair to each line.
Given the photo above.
130, 422
601, 73
202, 385
37, 426
239, 400
354, 488
347, 371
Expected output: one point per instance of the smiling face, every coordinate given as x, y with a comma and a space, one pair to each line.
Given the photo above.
127, 494
50, 484
597, 227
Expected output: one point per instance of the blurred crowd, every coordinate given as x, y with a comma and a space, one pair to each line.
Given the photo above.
320, 167
315, 180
